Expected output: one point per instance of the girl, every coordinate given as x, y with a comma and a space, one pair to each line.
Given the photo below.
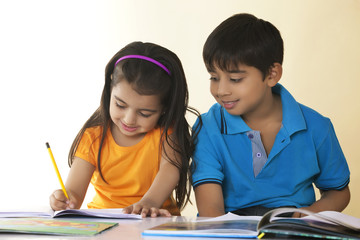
135, 148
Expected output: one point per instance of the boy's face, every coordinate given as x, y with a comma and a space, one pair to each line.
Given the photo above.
240, 91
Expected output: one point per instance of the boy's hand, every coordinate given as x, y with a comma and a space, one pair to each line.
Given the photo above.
58, 201
300, 215
330, 200
146, 209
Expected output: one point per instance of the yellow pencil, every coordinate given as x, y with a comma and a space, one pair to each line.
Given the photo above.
57, 170
261, 235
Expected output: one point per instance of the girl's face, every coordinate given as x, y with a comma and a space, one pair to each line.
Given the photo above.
132, 114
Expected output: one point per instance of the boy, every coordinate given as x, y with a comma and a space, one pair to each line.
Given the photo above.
257, 148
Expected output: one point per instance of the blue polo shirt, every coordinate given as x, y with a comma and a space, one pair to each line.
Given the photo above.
306, 151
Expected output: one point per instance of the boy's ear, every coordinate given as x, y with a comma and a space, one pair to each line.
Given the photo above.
274, 75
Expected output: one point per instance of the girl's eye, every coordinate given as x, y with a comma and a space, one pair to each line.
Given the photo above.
213, 79
119, 106
144, 115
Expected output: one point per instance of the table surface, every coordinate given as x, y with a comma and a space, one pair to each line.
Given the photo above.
126, 229
129, 229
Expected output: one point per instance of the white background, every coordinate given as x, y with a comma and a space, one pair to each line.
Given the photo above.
53, 56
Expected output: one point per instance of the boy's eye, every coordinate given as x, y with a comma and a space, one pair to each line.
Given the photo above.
213, 78
236, 79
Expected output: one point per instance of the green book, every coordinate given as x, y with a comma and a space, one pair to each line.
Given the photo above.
53, 226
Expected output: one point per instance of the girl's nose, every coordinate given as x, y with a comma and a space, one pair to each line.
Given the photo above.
129, 118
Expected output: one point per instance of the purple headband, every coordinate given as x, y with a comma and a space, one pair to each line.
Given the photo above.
144, 58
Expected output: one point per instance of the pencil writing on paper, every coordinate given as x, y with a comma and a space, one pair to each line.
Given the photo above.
57, 170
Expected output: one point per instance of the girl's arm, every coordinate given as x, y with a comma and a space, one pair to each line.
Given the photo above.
332, 200
209, 200
163, 185
76, 186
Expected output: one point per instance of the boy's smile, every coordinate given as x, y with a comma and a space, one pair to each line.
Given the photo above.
229, 105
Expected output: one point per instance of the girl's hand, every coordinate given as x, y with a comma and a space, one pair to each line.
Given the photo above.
58, 201
76, 185
145, 210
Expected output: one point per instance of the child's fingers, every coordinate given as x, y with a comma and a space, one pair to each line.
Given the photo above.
58, 201
128, 209
164, 213
144, 212
134, 209
296, 215
155, 212
59, 195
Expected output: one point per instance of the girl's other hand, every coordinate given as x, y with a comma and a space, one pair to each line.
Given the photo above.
145, 210
58, 201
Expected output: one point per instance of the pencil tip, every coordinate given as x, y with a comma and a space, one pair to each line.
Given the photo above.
47, 145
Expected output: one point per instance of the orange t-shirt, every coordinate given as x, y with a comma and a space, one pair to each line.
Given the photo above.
129, 171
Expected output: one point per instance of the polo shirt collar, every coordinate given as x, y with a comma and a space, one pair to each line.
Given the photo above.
293, 119
234, 123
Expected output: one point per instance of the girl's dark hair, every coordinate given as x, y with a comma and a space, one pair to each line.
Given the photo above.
243, 39
148, 79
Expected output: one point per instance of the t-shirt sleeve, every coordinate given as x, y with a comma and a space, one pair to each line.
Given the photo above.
206, 166
86, 149
334, 171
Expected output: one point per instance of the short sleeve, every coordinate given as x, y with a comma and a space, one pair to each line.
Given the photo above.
206, 167
88, 147
334, 171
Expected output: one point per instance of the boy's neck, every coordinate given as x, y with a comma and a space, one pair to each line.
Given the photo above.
269, 113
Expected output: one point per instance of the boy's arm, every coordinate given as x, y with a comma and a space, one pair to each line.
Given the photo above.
334, 171
209, 200
331, 200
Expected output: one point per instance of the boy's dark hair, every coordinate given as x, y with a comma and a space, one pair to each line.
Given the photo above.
149, 79
243, 39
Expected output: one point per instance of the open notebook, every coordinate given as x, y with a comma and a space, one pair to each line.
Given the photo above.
100, 213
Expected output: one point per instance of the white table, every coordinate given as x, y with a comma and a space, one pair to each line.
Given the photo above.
126, 229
